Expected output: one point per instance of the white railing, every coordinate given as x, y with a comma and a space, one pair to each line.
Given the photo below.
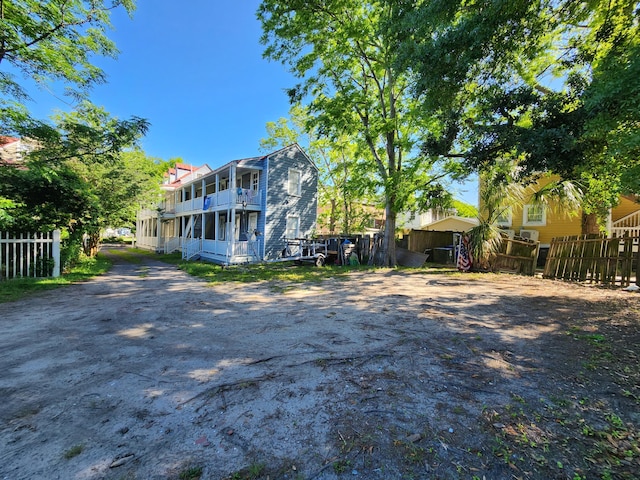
246, 249
30, 255
223, 198
171, 245
146, 242
191, 248
194, 204
248, 197
629, 221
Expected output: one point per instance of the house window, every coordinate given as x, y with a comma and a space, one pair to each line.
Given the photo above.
294, 185
534, 215
293, 227
255, 181
504, 219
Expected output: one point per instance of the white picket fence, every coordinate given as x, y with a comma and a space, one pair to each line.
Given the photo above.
29, 255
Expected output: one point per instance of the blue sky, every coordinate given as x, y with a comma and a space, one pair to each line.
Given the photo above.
196, 72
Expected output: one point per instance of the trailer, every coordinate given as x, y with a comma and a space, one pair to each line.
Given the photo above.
301, 250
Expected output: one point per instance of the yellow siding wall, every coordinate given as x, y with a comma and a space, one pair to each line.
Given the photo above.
558, 224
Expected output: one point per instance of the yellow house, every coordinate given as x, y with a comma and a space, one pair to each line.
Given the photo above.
543, 224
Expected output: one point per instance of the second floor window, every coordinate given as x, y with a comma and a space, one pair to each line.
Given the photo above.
294, 186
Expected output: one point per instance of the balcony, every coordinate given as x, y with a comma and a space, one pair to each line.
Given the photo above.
221, 200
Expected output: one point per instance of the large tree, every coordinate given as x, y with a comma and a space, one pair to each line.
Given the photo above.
75, 177
551, 84
50, 41
83, 176
346, 61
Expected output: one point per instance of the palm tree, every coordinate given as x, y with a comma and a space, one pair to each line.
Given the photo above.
502, 188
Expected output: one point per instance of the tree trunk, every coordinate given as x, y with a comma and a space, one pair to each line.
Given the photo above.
389, 239
332, 217
90, 245
590, 224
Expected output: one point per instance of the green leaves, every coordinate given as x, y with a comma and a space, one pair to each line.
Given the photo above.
52, 41
345, 54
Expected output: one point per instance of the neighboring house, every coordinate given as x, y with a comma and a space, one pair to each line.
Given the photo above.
417, 221
452, 224
13, 150
241, 212
536, 222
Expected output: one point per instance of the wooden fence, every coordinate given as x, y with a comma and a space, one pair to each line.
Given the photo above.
29, 255
517, 256
592, 258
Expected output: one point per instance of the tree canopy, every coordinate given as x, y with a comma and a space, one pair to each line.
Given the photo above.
345, 57
51, 41
82, 173
553, 85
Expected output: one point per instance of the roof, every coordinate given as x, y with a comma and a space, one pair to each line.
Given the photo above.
453, 223
7, 140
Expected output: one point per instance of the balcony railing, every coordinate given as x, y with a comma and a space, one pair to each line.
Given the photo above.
223, 199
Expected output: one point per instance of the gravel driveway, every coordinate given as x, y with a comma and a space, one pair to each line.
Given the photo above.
147, 373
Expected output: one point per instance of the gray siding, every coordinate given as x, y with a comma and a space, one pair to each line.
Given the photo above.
279, 204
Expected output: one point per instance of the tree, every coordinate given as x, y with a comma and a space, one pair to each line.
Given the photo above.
47, 41
553, 85
342, 193
76, 178
345, 58
79, 179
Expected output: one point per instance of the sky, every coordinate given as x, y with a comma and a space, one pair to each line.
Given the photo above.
195, 71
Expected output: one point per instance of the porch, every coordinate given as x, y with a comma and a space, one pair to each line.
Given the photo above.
238, 198
220, 251
627, 225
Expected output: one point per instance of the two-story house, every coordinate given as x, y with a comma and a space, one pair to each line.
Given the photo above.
241, 212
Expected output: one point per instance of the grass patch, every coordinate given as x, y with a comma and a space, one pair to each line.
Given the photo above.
191, 473
73, 451
128, 255
18, 288
281, 272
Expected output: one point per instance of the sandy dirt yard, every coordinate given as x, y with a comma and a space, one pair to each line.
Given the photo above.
146, 373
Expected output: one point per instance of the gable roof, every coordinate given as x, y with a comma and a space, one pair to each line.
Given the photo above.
453, 223
297, 147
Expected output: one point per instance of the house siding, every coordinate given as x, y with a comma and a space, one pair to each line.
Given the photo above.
279, 204
559, 224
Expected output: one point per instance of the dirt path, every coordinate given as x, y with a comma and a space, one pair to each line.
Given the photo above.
147, 373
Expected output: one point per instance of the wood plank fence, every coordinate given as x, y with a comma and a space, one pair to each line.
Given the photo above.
517, 256
29, 255
592, 258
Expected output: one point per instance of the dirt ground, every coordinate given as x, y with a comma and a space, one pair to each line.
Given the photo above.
146, 373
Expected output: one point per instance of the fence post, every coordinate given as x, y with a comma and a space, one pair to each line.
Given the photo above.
637, 264
55, 250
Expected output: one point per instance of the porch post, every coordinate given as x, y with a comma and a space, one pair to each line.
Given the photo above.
637, 262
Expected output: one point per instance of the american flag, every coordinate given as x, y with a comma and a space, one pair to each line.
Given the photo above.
464, 254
